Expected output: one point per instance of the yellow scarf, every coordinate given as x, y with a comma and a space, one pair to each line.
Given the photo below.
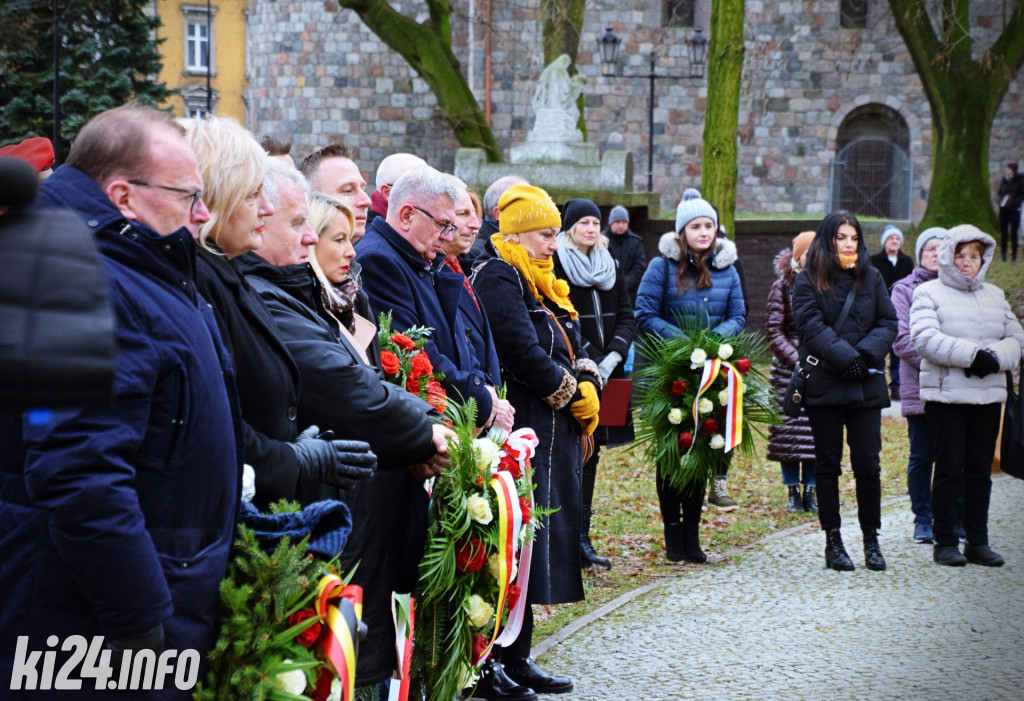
539, 274
847, 262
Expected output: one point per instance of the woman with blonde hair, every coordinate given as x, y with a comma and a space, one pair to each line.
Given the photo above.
287, 465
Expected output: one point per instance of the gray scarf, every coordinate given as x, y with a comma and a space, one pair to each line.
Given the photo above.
596, 270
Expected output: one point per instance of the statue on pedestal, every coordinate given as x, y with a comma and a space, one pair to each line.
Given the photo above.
554, 104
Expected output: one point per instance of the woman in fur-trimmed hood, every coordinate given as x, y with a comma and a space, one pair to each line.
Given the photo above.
693, 283
967, 336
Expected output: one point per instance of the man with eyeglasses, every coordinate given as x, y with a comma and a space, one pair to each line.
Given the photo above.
119, 519
396, 255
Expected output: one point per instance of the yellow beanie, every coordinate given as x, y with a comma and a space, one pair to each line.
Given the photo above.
526, 208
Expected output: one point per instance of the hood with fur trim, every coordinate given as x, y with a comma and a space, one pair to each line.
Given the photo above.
725, 250
784, 269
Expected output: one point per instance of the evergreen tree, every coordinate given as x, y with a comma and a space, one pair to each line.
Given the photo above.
107, 56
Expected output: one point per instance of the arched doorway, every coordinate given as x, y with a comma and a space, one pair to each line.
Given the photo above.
872, 172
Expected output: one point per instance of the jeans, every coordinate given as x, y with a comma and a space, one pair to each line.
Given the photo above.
964, 441
791, 472
864, 436
919, 468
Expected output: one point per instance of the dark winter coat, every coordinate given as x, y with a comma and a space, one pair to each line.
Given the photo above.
541, 382
628, 251
891, 272
267, 377
868, 331
606, 324
475, 323
122, 517
720, 308
1014, 187
398, 280
343, 394
902, 296
791, 441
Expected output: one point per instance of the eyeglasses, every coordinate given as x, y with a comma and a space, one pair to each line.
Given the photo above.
445, 228
194, 194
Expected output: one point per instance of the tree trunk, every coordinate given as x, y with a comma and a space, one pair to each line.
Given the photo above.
964, 95
721, 120
427, 48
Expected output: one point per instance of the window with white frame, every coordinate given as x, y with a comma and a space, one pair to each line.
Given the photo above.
199, 34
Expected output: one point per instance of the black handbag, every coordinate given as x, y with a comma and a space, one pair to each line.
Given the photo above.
1011, 450
793, 397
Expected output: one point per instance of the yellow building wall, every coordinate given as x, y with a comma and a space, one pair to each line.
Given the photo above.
229, 79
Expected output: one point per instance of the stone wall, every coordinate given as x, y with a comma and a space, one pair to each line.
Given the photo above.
318, 75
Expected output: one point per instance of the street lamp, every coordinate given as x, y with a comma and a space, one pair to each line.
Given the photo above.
697, 59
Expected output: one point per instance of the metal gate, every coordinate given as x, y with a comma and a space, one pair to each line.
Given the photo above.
872, 177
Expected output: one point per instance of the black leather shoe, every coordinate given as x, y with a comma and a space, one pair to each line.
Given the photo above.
873, 559
794, 503
836, 557
983, 555
527, 673
495, 685
948, 555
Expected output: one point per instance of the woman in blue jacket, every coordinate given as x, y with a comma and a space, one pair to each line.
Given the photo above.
693, 283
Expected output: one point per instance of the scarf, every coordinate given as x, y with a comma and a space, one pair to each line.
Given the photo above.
594, 270
846, 262
539, 274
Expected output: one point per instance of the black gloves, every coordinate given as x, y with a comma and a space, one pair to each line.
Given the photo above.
984, 363
338, 463
856, 371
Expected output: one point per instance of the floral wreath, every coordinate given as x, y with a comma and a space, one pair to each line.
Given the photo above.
407, 365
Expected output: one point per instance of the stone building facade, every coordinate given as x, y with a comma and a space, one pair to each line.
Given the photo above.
813, 93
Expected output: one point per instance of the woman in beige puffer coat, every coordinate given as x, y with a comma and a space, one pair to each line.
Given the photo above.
967, 336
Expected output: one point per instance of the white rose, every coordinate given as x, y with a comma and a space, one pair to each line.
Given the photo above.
697, 357
479, 510
723, 397
494, 567
293, 681
467, 676
478, 610
675, 416
487, 454
704, 406
725, 351
717, 442
335, 694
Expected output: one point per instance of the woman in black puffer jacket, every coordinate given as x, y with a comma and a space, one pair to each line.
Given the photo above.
846, 387
791, 443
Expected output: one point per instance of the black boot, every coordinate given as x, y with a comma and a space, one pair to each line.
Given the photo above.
527, 673
810, 504
794, 504
495, 685
691, 544
835, 554
588, 556
675, 545
873, 559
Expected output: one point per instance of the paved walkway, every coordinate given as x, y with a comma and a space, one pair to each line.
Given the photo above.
775, 624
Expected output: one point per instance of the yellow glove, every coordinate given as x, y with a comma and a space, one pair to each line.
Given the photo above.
586, 408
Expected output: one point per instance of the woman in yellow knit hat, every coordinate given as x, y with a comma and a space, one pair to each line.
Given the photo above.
554, 388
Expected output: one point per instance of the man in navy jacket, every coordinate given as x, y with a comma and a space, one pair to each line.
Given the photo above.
119, 520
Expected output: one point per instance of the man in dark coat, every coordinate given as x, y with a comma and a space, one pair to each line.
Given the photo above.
894, 265
627, 249
332, 171
396, 256
1010, 198
120, 520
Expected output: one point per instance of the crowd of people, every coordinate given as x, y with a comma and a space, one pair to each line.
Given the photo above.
246, 289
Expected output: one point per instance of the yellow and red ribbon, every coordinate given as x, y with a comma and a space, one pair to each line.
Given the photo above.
733, 405
341, 609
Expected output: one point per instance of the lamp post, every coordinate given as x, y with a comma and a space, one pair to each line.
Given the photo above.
697, 58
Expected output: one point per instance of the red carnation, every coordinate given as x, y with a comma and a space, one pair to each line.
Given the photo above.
743, 365
436, 396
679, 387
403, 341
412, 386
524, 506
513, 596
708, 427
510, 465
421, 365
323, 685
389, 363
471, 556
685, 441
309, 636
479, 647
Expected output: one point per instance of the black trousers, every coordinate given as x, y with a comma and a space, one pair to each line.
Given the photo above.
1009, 224
864, 436
964, 437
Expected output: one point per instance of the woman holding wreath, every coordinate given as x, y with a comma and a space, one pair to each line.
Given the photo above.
846, 325
554, 388
691, 285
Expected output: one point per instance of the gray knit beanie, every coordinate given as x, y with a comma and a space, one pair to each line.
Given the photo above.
618, 213
935, 232
691, 207
891, 230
